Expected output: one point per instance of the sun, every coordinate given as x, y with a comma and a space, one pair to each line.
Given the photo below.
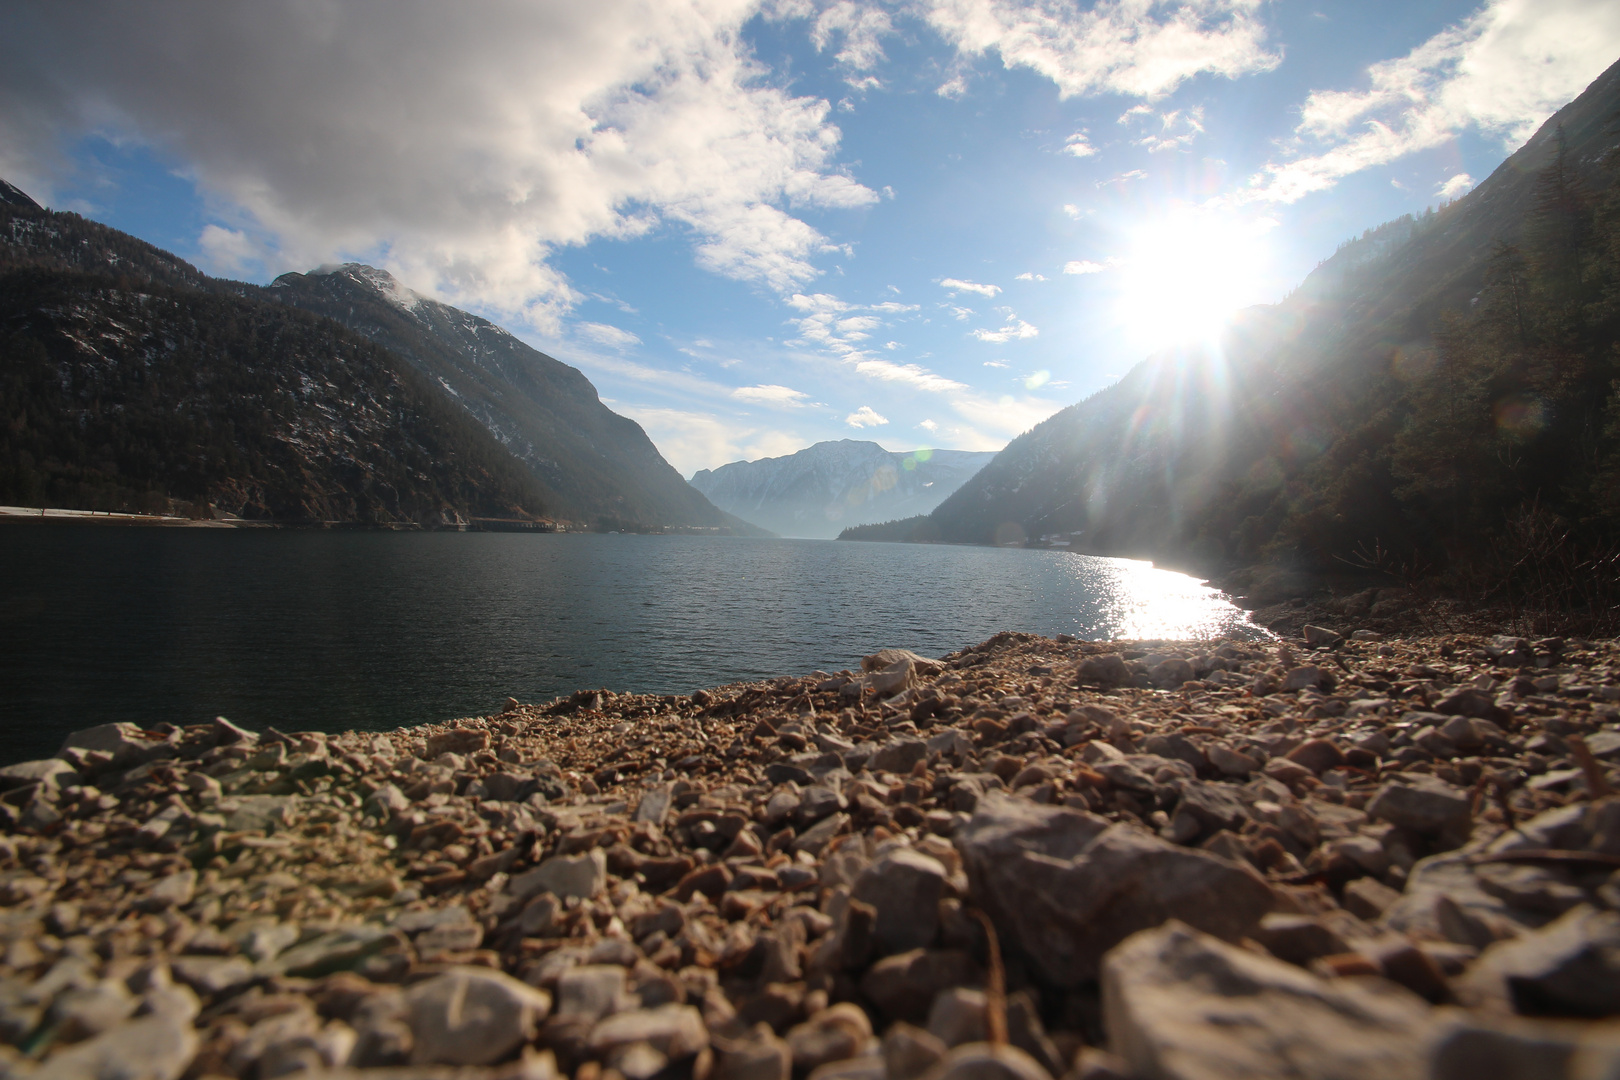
1186, 272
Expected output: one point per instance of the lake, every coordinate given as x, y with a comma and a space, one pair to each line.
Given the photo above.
373, 630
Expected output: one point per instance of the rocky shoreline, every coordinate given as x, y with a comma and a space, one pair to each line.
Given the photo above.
1331, 856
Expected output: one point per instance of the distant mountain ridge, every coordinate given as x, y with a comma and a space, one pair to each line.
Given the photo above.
537, 420
1329, 426
825, 488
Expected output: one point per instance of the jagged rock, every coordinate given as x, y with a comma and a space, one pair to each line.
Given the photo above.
675, 1031
1422, 804
472, 1016
904, 887
1106, 670
1570, 967
833, 1034
564, 876
1064, 887
958, 1016
987, 1061
910, 1052
762, 1056
1181, 1005
1468, 1048
151, 1048
904, 985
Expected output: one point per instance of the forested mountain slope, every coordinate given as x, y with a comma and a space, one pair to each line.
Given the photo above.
369, 404
594, 464
1428, 389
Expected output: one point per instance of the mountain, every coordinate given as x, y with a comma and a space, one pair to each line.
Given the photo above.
337, 395
1440, 390
593, 464
831, 485
126, 394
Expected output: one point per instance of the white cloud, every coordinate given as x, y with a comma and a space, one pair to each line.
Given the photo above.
1084, 266
959, 313
958, 285
1502, 71
780, 397
1030, 277
1177, 128
1078, 145
928, 425
603, 334
861, 27
995, 363
460, 152
817, 303
1006, 415
954, 87
1124, 178
865, 417
229, 251
1015, 330
1136, 47
910, 374
1456, 186
691, 440
1073, 211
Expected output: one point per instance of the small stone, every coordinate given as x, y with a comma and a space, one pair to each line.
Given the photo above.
909, 1052
1422, 804
1317, 755
905, 887
213, 976
1318, 636
1182, 1005
175, 890
592, 991
959, 1016
1570, 967
676, 1031
564, 876
833, 1034
818, 836
1229, 761
903, 986
1106, 670
156, 1047
472, 1016
1469, 701
1308, 675
762, 1056
81, 1013
987, 1061
1470, 1047
898, 756
1369, 898
1298, 939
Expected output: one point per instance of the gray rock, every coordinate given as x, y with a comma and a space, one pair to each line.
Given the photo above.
1470, 1047
1170, 674
904, 985
1231, 762
1064, 887
761, 1057
472, 1016
1468, 701
985, 1061
1424, 805
909, 1052
898, 756
339, 950
156, 1047
563, 876
905, 886
213, 975
592, 991
675, 1031
127, 744
1210, 808
1318, 636
1368, 898
53, 772
1317, 755
1106, 670
1301, 677
1570, 967
819, 835
655, 803
833, 1034
1298, 939
81, 1013
175, 890
1181, 1005
891, 680
958, 1016
1442, 887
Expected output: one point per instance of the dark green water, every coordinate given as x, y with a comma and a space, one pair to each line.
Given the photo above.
328, 631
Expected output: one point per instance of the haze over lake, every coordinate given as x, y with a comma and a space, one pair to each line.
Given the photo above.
337, 630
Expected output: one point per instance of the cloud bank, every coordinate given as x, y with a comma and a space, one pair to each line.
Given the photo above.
458, 151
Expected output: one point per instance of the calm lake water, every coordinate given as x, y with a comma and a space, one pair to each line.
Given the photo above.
329, 631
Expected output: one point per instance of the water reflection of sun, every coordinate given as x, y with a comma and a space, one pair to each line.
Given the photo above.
1145, 602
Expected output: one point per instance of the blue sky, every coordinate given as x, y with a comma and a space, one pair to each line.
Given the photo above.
757, 226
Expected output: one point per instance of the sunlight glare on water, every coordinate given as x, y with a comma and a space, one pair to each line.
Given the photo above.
1146, 602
